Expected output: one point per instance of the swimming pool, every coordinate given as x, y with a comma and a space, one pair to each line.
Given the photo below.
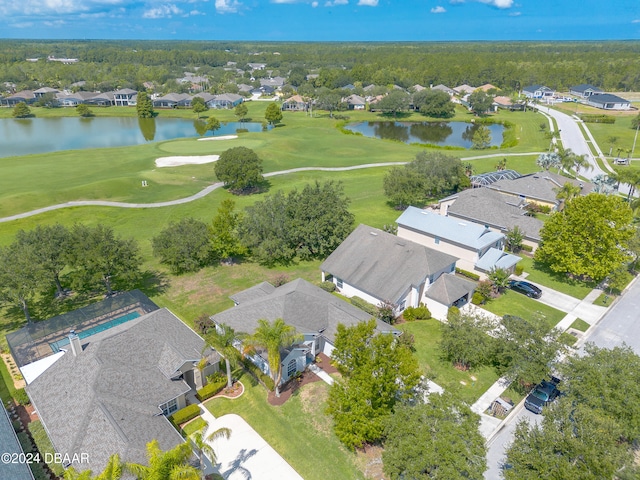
56, 346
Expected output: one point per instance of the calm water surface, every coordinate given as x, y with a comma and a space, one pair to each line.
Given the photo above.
42, 135
458, 134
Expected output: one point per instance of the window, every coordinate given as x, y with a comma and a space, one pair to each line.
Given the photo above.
402, 305
339, 282
437, 240
169, 407
292, 368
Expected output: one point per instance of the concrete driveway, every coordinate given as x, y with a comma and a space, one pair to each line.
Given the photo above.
246, 455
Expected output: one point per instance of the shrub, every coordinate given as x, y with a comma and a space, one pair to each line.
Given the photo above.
328, 286
203, 323
597, 118
212, 388
266, 380
519, 269
21, 397
416, 313
280, 280
470, 275
453, 311
527, 248
362, 304
478, 298
185, 414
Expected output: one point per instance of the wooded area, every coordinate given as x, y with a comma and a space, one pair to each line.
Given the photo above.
613, 66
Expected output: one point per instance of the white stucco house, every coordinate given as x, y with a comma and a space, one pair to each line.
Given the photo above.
607, 101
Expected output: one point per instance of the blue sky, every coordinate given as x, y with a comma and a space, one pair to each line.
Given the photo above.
322, 20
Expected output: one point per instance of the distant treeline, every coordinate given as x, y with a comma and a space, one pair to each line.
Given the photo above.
612, 66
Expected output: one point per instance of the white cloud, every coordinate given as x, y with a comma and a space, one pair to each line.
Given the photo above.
637, 20
335, 2
499, 3
12, 8
162, 11
54, 23
438, 9
456, 2
368, 3
227, 6
22, 25
314, 4
194, 13
515, 14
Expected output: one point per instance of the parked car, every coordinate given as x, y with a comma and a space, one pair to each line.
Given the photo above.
543, 394
526, 288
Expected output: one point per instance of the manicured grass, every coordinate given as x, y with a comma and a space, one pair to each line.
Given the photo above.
427, 335
604, 299
192, 427
514, 303
580, 324
299, 430
6, 383
44, 445
537, 273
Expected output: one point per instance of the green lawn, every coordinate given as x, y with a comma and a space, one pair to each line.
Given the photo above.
427, 335
299, 430
194, 426
537, 273
580, 324
6, 382
44, 445
514, 303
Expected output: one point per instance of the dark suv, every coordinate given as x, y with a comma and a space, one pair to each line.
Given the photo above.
543, 394
526, 288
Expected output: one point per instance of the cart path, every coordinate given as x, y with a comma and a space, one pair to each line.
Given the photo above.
206, 191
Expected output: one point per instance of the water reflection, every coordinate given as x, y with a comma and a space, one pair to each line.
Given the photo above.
459, 134
147, 128
200, 126
42, 135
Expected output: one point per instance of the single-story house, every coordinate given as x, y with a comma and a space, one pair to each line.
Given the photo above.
41, 92
541, 188
313, 312
464, 89
275, 82
355, 102
225, 100
263, 90
417, 88
478, 248
349, 86
295, 104
105, 99
173, 100
380, 267
112, 391
486, 87
74, 99
444, 88
26, 96
538, 91
584, 90
607, 101
506, 104
499, 212
257, 66
124, 97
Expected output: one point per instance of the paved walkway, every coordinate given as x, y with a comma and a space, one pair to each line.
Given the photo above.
206, 191
245, 454
324, 376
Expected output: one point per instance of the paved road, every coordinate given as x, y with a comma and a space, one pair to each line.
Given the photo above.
206, 191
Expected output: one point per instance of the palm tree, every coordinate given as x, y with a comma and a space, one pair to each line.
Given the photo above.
222, 338
113, 471
570, 160
169, 465
202, 443
548, 160
274, 337
567, 192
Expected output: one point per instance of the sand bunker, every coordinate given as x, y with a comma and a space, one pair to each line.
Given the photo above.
222, 137
193, 160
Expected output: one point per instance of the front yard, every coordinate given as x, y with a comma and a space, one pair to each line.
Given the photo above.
536, 273
513, 303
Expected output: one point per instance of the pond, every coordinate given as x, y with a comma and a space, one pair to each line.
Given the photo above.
42, 135
456, 134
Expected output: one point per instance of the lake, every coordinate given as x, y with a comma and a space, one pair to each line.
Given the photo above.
42, 135
456, 134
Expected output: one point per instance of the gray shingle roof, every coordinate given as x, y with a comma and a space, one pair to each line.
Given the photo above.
489, 207
495, 258
300, 304
106, 400
540, 185
448, 288
9, 444
383, 265
467, 234
606, 98
257, 291
583, 87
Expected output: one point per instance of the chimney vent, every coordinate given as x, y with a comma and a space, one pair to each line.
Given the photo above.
74, 341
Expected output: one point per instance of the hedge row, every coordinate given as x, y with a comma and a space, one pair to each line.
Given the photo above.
471, 275
212, 388
21, 397
328, 286
362, 304
185, 414
266, 380
597, 118
416, 313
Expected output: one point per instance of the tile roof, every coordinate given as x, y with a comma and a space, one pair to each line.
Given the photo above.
106, 400
384, 265
467, 234
300, 304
